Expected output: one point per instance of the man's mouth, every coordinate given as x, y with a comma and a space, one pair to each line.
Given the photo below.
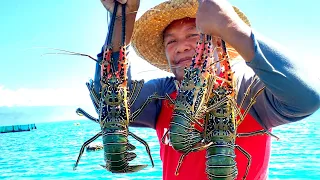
182, 60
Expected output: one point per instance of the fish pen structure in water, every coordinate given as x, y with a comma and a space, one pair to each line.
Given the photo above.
17, 128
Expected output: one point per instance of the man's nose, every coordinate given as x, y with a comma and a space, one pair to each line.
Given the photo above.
182, 47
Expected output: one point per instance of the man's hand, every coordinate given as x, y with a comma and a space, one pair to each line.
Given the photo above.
132, 6
218, 18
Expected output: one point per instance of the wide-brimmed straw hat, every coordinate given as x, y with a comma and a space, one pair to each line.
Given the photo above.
147, 38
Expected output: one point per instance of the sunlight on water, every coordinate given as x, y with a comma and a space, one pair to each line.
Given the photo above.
51, 151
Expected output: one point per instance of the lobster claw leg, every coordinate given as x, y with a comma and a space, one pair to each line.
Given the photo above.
135, 91
93, 95
145, 144
84, 145
135, 114
163, 139
81, 112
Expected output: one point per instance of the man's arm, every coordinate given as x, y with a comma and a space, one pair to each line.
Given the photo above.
290, 94
149, 115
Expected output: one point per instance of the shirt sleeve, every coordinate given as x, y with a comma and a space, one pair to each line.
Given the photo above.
290, 93
149, 115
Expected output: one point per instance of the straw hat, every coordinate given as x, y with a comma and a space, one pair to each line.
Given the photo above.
147, 34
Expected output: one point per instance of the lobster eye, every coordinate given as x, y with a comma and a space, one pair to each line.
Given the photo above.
116, 100
110, 99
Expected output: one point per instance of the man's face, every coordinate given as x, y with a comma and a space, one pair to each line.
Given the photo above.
180, 39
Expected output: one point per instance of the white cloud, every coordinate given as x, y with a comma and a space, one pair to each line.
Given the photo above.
75, 96
141, 69
44, 97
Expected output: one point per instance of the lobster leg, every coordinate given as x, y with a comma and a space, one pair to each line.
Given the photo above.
93, 95
81, 112
96, 105
139, 111
198, 148
253, 100
244, 114
248, 90
169, 98
135, 91
84, 145
145, 144
248, 156
259, 132
190, 136
92, 92
164, 136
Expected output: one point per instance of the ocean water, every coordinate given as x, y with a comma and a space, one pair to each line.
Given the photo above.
51, 151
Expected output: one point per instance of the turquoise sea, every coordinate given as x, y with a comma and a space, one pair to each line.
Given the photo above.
50, 152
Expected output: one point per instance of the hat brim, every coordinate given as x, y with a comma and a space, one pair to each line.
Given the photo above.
147, 38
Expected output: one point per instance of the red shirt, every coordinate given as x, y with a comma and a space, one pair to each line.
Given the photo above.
193, 165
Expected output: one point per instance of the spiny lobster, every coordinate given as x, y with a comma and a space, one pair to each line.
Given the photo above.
207, 98
221, 122
113, 107
189, 104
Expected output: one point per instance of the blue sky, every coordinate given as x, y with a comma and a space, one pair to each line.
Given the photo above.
29, 79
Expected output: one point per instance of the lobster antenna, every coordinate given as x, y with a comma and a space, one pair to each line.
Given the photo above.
123, 25
111, 27
224, 47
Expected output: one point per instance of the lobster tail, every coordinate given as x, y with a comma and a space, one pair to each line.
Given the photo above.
115, 149
182, 134
221, 162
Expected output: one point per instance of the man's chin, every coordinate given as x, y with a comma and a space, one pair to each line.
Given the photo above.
179, 74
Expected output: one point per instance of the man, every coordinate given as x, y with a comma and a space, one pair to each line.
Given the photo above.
166, 37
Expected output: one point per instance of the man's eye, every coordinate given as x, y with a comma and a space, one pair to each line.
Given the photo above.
171, 41
193, 35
